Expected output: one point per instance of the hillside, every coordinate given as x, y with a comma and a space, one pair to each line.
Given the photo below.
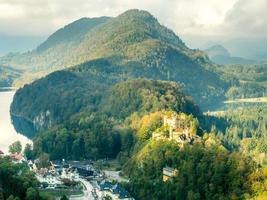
102, 123
8, 75
202, 172
91, 96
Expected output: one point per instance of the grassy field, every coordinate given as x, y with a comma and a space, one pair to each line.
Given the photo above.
60, 193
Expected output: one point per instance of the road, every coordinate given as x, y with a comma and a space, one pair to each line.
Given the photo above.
87, 192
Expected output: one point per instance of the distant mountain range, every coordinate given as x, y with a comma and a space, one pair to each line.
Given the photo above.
220, 55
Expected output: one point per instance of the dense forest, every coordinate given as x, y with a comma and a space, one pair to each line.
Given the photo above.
228, 163
204, 171
243, 129
107, 131
245, 80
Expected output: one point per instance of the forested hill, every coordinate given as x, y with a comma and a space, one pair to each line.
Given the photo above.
92, 96
101, 128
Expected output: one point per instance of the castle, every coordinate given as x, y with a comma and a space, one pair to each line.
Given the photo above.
179, 127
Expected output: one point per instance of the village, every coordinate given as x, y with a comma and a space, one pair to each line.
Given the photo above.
79, 178
84, 180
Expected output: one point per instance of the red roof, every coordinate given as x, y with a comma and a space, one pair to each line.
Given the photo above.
178, 129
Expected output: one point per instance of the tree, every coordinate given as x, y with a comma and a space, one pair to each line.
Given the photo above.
28, 153
16, 147
64, 197
32, 194
11, 197
1, 194
44, 160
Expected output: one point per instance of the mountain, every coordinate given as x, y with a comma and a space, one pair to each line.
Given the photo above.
220, 55
217, 50
88, 39
51, 54
132, 45
8, 75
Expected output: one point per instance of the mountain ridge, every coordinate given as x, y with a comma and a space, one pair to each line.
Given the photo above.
220, 55
93, 43
75, 29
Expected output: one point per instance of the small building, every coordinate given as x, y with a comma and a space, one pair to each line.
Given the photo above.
168, 173
17, 158
84, 171
105, 189
70, 174
120, 193
32, 166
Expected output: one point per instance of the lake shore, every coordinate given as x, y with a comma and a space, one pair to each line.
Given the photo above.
8, 134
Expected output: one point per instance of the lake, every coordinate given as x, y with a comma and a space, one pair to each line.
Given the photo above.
8, 134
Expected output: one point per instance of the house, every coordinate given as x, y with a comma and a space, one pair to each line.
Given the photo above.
168, 173
105, 189
17, 158
120, 193
70, 174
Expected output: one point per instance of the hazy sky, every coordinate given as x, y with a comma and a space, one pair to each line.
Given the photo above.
198, 22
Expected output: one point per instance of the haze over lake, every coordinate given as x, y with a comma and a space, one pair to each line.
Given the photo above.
8, 135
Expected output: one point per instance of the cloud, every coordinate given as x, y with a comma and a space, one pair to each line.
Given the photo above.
247, 18
45, 16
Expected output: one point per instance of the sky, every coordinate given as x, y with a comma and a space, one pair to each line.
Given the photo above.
200, 23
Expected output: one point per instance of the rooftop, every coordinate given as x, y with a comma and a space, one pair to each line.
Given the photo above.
115, 189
